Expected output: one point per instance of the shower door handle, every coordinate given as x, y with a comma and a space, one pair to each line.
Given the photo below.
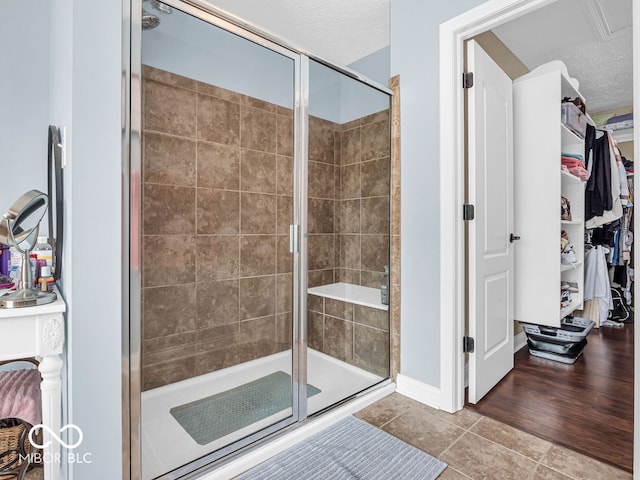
294, 238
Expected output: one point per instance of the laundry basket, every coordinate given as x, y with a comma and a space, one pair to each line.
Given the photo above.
14, 442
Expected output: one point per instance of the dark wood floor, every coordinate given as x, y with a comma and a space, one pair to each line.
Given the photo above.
587, 406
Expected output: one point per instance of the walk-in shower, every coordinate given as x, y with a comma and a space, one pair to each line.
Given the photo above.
260, 183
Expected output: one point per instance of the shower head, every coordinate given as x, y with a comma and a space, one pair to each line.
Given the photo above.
161, 7
149, 21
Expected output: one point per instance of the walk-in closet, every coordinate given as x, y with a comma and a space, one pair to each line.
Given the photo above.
570, 224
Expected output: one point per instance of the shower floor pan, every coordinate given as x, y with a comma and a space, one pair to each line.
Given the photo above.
166, 445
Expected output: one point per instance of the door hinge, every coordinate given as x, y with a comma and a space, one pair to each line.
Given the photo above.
468, 212
467, 80
468, 344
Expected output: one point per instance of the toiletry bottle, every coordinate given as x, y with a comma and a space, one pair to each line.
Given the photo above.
14, 275
43, 250
16, 267
35, 269
4, 260
15, 257
46, 279
384, 288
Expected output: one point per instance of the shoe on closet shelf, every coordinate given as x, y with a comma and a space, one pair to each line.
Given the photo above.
569, 286
565, 298
567, 255
565, 209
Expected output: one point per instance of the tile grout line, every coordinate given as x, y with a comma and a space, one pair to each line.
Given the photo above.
474, 424
452, 444
392, 419
537, 462
238, 248
277, 282
503, 446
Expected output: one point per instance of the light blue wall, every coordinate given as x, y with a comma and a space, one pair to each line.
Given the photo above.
341, 99
96, 333
60, 108
358, 100
186, 46
415, 57
24, 104
79, 89
374, 66
85, 84
24, 98
195, 49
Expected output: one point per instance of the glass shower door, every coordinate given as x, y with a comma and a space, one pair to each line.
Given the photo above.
348, 236
217, 146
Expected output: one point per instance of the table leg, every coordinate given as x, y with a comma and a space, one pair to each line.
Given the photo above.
50, 368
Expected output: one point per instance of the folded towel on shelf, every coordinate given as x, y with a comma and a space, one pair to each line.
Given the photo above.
571, 162
579, 172
573, 155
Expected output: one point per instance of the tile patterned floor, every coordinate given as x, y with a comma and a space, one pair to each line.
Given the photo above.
479, 448
476, 447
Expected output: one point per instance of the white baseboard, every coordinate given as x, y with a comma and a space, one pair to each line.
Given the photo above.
422, 392
519, 341
260, 454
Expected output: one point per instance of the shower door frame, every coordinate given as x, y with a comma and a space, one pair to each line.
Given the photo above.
132, 213
135, 326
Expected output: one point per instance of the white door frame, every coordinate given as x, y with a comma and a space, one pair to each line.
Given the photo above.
452, 190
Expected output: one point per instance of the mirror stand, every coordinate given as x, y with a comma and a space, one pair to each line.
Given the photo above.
20, 230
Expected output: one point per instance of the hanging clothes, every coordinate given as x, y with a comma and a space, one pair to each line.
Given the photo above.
603, 195
596, 281
597, 193
626, 236
622, 173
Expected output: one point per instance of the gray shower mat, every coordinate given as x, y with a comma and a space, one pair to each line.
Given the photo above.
349, 449
213, 417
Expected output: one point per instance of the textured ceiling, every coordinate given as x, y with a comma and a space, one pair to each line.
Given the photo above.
592, 37
337, 30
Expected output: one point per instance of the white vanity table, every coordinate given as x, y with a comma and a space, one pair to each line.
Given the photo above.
39, 332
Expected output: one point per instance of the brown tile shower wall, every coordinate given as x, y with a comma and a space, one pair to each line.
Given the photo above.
324, 150
217, 197
363, 184
359, 239
352, 333
349, 188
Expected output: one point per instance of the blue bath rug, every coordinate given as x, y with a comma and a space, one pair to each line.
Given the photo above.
213, 417
350, 449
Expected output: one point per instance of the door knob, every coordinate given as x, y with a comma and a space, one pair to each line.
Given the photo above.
513, 238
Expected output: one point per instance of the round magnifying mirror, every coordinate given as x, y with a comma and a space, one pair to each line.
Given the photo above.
19, 228
21, 221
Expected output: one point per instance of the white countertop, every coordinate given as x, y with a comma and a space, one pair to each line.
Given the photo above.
56, 306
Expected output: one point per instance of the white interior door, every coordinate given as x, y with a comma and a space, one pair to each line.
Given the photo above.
491, 253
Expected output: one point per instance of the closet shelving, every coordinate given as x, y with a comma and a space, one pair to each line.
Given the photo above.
573, 189
539, 140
